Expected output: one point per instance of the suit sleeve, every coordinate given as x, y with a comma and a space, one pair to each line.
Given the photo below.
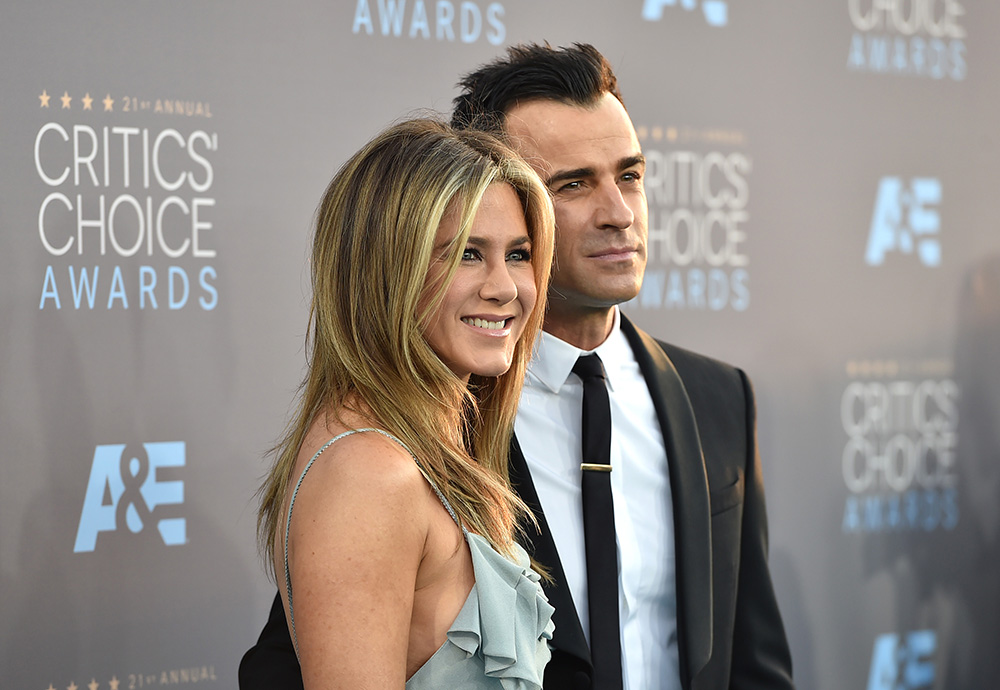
271, 664
761, 658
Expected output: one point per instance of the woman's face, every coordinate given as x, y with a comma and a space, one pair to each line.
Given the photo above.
484, 310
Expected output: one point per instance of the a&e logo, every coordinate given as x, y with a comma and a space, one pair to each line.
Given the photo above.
904, 220
903, 663
716, 12
124, 489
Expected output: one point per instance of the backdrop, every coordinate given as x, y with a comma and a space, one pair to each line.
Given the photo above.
821, 179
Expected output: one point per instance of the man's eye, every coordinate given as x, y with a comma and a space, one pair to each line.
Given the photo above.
570, 186
631, 177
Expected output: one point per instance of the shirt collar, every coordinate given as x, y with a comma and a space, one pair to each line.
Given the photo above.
553, 358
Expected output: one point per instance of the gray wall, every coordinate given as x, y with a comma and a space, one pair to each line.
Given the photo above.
820, 186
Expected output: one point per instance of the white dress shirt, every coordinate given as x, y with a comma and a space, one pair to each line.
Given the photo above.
548, 428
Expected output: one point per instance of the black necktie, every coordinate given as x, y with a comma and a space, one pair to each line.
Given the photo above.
599, 526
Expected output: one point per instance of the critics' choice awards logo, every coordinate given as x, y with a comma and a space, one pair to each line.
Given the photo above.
715, 12
903, 662
127, 491
698, 215
126, 217
898, 462
919, 38
439, 20
906, 220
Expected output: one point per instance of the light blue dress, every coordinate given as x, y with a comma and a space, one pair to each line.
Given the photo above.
499, 640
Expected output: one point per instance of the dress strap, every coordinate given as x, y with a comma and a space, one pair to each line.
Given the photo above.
295, 492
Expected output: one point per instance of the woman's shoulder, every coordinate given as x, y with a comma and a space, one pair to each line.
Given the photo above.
365, 480
361, 460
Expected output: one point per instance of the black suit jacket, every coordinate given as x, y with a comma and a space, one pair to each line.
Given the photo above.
729, 629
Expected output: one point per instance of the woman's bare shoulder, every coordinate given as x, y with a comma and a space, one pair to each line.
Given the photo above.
363, 497
361, 475
371, 459
366, 455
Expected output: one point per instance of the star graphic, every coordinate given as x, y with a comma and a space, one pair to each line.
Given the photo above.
72, 686
44, 98
108, 103
114, 682
87, 102
93, 684
66, 98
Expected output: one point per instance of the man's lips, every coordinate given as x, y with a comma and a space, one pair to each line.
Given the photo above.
614, 253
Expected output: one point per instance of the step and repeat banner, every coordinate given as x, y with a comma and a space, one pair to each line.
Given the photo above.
821, 180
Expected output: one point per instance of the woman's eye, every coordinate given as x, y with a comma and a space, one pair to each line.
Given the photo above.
519, 255
470, 254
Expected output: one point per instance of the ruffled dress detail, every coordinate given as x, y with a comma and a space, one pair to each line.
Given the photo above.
500, 637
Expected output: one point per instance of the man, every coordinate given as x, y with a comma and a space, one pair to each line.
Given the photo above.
695, 608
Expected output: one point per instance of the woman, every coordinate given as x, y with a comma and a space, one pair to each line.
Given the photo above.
388, 514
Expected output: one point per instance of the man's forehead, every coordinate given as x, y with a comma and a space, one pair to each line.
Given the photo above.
554, 136
548, 119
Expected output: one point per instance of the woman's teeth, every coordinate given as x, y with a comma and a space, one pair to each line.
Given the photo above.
480, 323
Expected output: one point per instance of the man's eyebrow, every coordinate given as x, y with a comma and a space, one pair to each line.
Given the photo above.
574, 174
631, 161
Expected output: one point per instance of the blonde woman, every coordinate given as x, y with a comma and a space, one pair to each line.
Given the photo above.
387, 515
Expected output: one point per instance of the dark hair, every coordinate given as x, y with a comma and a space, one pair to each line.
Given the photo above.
575, 75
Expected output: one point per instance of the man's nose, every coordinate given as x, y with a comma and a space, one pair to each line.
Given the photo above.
612, 210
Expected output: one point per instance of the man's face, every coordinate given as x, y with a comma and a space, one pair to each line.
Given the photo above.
589, 157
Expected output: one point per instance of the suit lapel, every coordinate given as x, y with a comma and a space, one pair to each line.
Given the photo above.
569, 635
689, 491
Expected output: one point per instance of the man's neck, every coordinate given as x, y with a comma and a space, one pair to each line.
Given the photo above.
583, 329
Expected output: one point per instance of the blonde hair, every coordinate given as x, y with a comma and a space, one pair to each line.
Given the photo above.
372, 249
